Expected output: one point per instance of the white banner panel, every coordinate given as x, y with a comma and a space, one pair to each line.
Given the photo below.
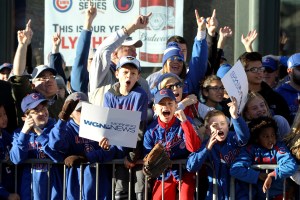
236, 84
119, 126
67, 16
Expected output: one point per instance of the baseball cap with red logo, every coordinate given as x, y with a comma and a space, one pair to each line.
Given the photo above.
31, 101
164, 93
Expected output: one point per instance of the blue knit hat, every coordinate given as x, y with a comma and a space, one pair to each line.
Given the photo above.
173, 49
294, 60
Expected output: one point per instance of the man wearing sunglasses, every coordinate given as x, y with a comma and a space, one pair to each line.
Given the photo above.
252, 62
290, 90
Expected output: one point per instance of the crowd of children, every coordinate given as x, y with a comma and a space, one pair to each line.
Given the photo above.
193, 121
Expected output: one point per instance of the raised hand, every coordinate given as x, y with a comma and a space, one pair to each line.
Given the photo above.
67, 109
25, 36
233, 108
90, 15
212, 23
248, 40
213, 136
56, 40
225, 32
189, 100
201, 21
139, 23
180, 115
28, 124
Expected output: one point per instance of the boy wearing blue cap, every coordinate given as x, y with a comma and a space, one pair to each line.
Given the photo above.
127, 94
176, 133
31, 141
290, 90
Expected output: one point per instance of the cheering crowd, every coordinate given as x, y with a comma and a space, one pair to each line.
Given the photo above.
184, 106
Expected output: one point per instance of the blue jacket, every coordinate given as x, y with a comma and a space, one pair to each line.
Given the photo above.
220, 157
290, 95
65, 138
255, 154
79, 73
7, 172
32, 146
197, 69
174, 137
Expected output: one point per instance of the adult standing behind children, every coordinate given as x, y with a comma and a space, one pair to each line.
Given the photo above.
43, 78
102, 69
290, 90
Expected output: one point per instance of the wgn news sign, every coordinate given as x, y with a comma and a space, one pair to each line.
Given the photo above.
120, 127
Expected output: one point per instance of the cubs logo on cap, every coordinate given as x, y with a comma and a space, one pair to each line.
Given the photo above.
164, 93
31, 101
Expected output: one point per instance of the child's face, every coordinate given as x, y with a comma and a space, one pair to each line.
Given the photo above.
40, 115
76, 116
128, 76
267, 138
176, 87
61, 92
215, 91
256, 108
220, 125
3, 118
165, 109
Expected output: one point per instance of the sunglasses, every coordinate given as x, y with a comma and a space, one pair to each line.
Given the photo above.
178, 58
172, 87
216, 89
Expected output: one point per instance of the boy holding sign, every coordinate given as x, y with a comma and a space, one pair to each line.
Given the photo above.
127, 94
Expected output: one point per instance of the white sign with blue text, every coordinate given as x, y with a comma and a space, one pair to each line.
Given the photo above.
236, 84
119, 126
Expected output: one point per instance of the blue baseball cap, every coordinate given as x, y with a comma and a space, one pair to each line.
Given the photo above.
41, 68
172, 49
164, 93
6, 65
31, 101
270, 63
129, 60
294, 61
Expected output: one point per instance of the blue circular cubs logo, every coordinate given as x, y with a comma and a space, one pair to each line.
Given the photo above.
62, 5
123, 6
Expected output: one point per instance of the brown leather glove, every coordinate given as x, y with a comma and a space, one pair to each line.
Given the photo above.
73, 160
67, 109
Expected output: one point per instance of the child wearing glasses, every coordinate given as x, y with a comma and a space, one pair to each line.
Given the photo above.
175, 132
31, 142
264, 148
212, 94
220, 149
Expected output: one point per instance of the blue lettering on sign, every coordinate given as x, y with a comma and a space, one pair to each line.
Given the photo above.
115, 126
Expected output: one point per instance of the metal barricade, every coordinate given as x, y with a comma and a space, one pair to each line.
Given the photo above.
113, 163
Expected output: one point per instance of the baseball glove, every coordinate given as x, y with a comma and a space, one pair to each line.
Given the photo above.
156, 161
